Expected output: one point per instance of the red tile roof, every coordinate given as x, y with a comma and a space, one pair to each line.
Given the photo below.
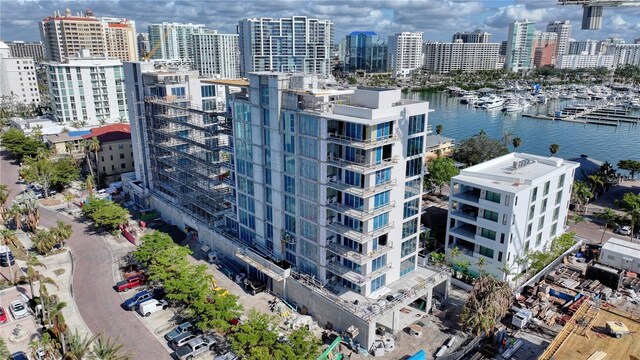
110, 133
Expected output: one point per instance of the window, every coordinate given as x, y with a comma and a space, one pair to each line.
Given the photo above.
383, 131
411, 208
353, 223
309, 230
407, 265
308, 147
489, 234
545, 191
414, 146
264, 95
353, 131
409, 228
499, 256
177, 91
353, 201
486, 252
381, 199
121, 156
120, 146
289, 143
532, 211
526, 246
541, 223
534, 194
379, 262
380, 221
414, 167
556, 212
208, 90
504, 219
416, 124
492, 196
308, 125
501, 238
383, 176
538, 239
289, 184
123, 166
543, 208
561, 181
554, 227
412, 188
290, 204
408, 247
378, 282
529, 228
490, 215
266, 117
290, 223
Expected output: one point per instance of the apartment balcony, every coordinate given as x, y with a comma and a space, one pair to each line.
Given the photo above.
465, 231
472, 196
462, 246
362, 143
355, 256
334, 183
355, 234
466, 212
361, 165
346, 272
359, 213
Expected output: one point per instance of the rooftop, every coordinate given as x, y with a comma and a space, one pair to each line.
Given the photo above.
110, 133
500, 173
66, 136
227, 82
623, 247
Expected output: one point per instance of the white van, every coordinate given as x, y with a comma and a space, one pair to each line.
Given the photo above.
150, 306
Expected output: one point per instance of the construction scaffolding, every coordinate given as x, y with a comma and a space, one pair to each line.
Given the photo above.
189, 152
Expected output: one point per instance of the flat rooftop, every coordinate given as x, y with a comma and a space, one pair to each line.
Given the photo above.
227, 82
622, 246
500, 173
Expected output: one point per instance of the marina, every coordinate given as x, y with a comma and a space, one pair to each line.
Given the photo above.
592, 114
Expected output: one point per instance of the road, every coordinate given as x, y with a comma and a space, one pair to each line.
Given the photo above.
93, 280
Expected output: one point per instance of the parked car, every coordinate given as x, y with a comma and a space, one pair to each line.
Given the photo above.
130, 283
230, 355
137, 299
18, 310
20, 355
180, 329
625, 230
3, 316
195, 347
181, 340
150, 306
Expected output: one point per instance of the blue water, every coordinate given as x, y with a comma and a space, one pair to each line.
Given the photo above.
606, 143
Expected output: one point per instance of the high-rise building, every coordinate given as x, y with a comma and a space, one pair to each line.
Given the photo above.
605, 44
582, 61
315, 191
441, 58
65, 35
637, 40
544, 48
503, 208
476, 36
503, 48
563, 29
174, 40
405, 53
120, 38
520, 45
87, 89
214, 54
18, 77
589, 47
143, 45
295, 44
21, 49
625, 54
364, 50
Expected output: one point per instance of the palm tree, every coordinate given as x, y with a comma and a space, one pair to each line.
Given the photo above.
58, 325
106, 349
85, 149
102, 120
68, 147
597, 182
46, 344
15, 212
516, 143
9, 238
30, 207
481, 263
34, 275
609, 218
94, 146
122, 119
89, 184
554, 148
581, 194
78, 347
61, 232
439, 129
36, 133
506, 269
4, 196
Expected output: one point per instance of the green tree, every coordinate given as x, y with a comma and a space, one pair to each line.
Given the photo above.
34, 275
20, 145
554, 148
516, 143
107, 349
632, 166
78, 347
152, 244
105, 213
58, 324
89, 185
9, 237
597, 182
47, 172
581, 194
441, 170
214, 310
479, 148
27, 202
608, 217
488, 303
481, 263
630, 204
4, 350
47, 345
4, 196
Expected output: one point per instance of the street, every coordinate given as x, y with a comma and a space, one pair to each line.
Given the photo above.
93, 280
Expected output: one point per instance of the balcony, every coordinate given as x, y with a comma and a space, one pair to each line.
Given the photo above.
353, 255
466, 212
472, 196
333, 182
361, 143
463, 246
357, 235
466, 231
358, 213
346, 272
361, 165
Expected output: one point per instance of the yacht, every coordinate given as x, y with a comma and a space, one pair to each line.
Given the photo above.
513, 106
493, 102
469, 99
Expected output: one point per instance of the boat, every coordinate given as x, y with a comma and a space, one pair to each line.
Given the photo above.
493, 102
469, 99
513, 107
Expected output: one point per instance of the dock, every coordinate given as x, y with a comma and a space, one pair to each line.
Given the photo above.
590, 114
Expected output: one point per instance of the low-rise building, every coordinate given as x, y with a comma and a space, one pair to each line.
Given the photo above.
621, 254
115, 156
585, 61
437, 146
68, 142
502, 208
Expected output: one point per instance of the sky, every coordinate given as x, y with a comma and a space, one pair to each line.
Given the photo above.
438, 19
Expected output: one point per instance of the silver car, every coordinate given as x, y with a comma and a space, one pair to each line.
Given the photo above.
18, 310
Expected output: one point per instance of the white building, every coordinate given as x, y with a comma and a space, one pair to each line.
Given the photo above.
21, 49
18, 77
214, 54
295, 44
625, 54
621, 254
520, 45
502, 208
174, 40
563, 29
405, 53
589, 47
87, 89
441, 58
585, 61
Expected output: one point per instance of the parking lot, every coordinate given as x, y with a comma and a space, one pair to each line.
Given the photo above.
27, 323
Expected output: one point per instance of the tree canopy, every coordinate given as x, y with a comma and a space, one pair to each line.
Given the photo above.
479, 148
630, 204
632, 166
441, 170
20, 145
488, 303
47, 172
105, 213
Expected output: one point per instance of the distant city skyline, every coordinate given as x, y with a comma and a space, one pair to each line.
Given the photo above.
20, 17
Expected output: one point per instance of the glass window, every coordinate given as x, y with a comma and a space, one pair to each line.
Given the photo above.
546, 188
308, 147
290, 223
529, 228
558, 197
556, 212
492, 196
208, 90
289, 143
381, 199
554, 227
414, 146
534, 194
538, 239
354, 131
309, 250
289, 184
486, 252
309, 169
416, 124
411, 208
308, 189
490, 215
407, 265
266, 117
353, 201
383, 131
308, 125
408, 247
379, 262
290, 165
414, 167
543, 208
532, 211
308, 210
353, 178
383, 176
561, 181
309, 230
290, 204
353, 223
412, 188
489, 234
264, 95
380, 221
177, 91
378, 282
541, 223
409, 228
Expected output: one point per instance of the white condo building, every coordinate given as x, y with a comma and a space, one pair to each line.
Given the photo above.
441, 58
174, 40
87, 89
405, 53
214, 54
502, 208
314, 191
295, 44
563, 29
18, 77
625, 54
585, 61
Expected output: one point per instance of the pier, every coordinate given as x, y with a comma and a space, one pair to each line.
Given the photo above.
590, 114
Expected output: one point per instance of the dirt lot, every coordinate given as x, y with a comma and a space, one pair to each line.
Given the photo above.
626, 348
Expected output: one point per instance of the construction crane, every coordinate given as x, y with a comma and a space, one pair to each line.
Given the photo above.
157, 46
593, 9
